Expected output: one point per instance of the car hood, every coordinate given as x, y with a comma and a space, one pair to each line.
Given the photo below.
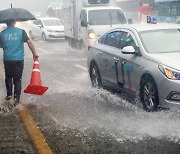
100, 29
168, 59
55, 28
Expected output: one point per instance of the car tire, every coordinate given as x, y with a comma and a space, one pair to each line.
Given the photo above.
44, 37
95, 76
149, 94
31, 35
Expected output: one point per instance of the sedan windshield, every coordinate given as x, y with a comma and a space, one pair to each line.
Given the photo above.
160, 41
106, 17
52, 22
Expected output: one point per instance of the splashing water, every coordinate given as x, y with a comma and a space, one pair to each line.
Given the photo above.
81, 107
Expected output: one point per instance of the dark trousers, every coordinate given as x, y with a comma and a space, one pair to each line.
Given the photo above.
13, 76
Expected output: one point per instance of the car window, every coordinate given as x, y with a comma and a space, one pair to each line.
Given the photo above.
102, 39
113, 39
83, 16
109, 17
40, 22
127, 40
37, 22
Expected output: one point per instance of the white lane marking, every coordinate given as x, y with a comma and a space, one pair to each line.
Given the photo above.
2, 73
81, 67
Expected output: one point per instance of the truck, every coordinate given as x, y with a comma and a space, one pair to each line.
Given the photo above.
86, 20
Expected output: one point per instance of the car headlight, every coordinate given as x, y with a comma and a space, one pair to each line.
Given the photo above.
169, 72
92, 35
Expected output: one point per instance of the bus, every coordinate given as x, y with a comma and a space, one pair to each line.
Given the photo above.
137, 10
167, 11
55, 9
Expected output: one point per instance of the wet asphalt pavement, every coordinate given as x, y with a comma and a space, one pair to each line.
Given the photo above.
76, 118
66, 140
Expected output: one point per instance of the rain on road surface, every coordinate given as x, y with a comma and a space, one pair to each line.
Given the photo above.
76, 118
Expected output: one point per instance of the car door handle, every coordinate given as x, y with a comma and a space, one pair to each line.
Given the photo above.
116, 59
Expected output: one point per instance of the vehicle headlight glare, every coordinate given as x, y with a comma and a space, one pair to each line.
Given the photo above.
92, 36
170, 73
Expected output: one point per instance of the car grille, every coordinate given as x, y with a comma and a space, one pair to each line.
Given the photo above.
52, 36
58, 31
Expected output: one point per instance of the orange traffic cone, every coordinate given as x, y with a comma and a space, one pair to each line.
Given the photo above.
35, 86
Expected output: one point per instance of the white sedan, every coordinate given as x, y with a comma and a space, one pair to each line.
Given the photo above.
47, 29
2, 27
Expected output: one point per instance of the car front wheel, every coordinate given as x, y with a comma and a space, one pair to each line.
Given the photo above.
95, 76
149, 94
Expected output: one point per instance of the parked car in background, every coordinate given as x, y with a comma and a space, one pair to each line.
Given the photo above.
141, 59
22, 25
47, 29
2, 27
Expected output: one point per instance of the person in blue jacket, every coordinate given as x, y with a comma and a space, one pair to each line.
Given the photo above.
12, 41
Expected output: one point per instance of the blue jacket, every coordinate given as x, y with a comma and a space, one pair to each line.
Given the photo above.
12, 43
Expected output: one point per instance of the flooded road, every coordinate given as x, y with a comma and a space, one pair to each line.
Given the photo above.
76, 118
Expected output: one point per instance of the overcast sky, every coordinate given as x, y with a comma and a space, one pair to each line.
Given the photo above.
31, 5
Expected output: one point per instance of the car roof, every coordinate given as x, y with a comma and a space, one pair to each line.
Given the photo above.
147, 27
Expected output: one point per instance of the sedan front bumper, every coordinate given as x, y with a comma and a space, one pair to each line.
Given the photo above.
56, 35
169, 93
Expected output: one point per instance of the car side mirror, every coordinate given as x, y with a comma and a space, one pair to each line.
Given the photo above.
128, 50
40, 26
